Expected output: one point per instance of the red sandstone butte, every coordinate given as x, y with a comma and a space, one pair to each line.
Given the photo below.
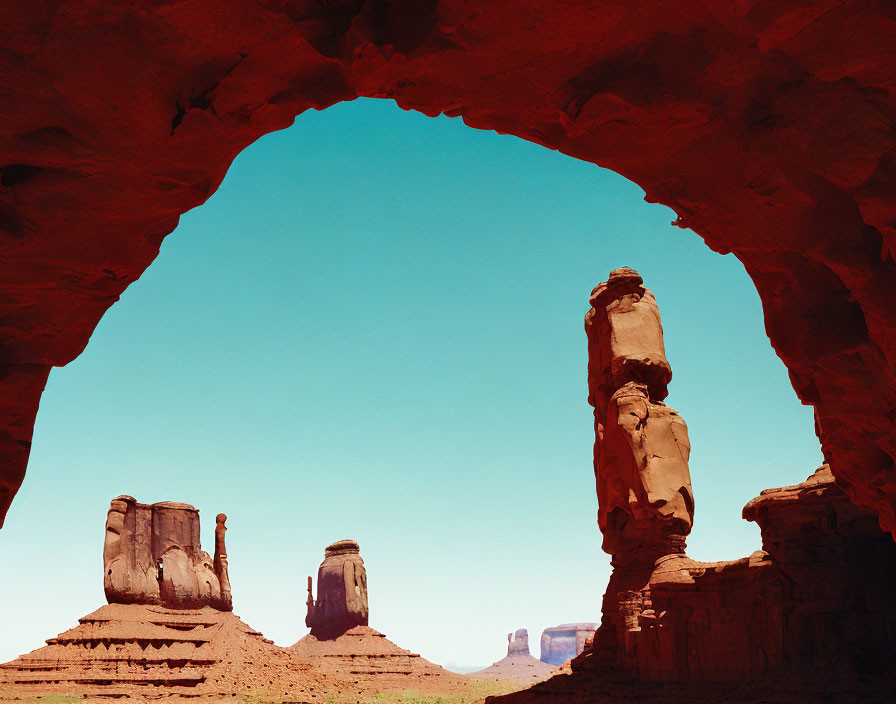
341, 602
341, 642
168, 630
767, 126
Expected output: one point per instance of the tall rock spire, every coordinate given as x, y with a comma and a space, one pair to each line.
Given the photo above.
641, 450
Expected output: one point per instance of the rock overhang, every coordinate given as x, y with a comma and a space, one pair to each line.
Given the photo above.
767, 128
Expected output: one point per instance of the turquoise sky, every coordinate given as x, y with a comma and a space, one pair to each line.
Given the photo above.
373, 330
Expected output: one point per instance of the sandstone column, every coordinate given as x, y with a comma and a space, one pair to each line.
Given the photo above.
641, 448
221, 571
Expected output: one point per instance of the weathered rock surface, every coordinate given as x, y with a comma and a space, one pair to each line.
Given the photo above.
798, 605
367, 658
837, 572
341, 642
167, 630
341, 592
137, 652
566, 641
518, 664
641, 447
810, 618
152, 555
767, 127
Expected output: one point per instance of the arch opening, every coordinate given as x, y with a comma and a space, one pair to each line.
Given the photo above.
382, 356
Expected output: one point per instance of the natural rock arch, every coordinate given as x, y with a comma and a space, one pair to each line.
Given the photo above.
767, 126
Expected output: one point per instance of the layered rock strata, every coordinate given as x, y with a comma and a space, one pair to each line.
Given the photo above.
168, 630
518, 664
136, 651
564, 642
367, 658
766, 126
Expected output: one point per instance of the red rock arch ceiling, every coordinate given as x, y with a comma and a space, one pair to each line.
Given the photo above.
767, 125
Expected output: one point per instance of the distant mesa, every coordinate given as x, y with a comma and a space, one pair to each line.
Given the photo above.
566, 641
518, 664
341, 641
518, 643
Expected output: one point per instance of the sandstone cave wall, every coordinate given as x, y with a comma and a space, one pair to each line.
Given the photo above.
767, 126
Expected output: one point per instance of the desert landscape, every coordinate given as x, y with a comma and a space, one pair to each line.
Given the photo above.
817, 598
769, 129
168, 632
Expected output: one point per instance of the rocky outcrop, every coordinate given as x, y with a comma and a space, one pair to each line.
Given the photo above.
566, 641
799, 605
341, 592
811, 617
152, 555
641, 446
341, 642
518, 642
518, 664
836, 575
767, 127
595, 687
167, 631
135, 651
367, 658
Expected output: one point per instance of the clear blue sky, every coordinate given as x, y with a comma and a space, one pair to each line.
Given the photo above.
373, 330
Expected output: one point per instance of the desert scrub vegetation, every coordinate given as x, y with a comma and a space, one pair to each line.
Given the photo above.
475, 692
